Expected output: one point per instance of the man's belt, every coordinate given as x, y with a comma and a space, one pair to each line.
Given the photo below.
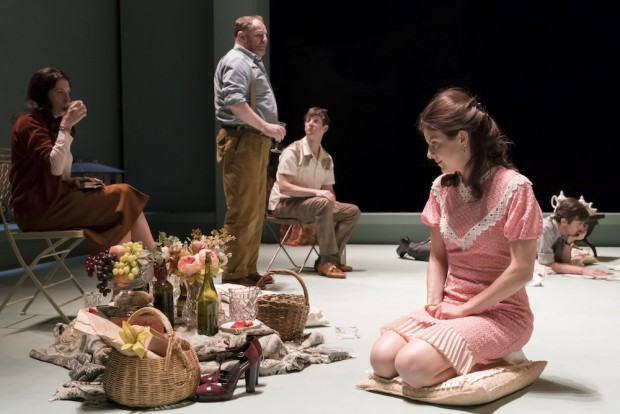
243, 127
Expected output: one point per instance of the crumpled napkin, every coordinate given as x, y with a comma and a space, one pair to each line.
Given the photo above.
316, 317
108, 331
536, 281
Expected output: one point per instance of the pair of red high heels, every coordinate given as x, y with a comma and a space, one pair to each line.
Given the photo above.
221, 385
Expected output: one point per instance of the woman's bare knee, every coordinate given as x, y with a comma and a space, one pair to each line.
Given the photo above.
383, 354
419, 364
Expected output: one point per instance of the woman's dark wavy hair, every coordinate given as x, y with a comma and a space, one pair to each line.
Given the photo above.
43, 81
37, 100
454, 109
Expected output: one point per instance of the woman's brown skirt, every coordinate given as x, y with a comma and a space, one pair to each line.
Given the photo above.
106, 215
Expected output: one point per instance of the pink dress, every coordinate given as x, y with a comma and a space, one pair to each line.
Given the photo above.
477, 234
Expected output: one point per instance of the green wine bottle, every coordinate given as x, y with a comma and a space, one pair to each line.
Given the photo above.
208, 307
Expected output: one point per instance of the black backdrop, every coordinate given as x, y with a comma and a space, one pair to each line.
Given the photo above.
545, 72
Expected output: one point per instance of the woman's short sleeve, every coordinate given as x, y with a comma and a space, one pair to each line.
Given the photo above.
431, 215
523, 215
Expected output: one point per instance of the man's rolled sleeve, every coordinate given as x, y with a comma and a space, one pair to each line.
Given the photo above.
544, 245
235, 83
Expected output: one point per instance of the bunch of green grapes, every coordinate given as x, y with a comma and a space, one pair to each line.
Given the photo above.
127, 265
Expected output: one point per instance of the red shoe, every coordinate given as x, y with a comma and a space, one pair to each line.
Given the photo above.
222, 376
249, 359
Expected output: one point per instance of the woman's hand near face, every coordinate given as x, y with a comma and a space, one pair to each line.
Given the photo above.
75, 113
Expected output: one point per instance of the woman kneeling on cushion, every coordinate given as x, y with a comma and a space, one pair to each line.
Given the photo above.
484, 222
44, 196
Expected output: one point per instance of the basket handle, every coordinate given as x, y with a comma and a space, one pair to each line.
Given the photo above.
290, 272
173, 341
156, 312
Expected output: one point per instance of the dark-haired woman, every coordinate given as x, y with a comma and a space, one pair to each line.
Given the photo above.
44, 196
484, 222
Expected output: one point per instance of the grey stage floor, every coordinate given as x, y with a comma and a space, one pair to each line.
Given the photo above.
577, 330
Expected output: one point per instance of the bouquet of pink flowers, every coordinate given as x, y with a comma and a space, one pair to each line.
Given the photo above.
193, 258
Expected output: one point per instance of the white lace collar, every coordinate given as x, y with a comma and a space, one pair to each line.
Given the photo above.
466, 191
492, 217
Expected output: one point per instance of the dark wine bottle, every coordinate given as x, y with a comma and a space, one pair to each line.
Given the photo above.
163, 298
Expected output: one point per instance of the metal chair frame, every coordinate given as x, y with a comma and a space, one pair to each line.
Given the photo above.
289, 222
58, 246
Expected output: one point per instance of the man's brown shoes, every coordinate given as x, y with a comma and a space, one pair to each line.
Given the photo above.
341, 267
251, 280
344, 268
256, 276
330, 269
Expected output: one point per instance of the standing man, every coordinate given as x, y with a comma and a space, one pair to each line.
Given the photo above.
246, 107
304, 189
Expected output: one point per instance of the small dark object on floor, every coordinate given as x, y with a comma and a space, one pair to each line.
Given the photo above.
419, 251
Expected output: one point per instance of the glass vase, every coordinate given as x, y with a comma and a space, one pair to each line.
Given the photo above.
208, 307
122, 302
242, 303
181, 297
122, 297
190, 312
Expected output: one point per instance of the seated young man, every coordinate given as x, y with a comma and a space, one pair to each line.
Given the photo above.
560, 231
304, 189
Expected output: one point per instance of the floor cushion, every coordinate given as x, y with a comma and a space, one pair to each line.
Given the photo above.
470, 389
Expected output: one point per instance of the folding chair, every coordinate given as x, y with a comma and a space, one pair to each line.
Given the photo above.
59, 245
289, 223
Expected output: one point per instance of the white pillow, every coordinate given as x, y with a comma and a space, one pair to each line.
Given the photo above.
470, 389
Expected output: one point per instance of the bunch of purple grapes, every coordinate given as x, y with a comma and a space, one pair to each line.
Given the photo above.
159, 272
101, 265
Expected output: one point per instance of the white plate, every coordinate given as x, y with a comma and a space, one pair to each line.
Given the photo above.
227, 327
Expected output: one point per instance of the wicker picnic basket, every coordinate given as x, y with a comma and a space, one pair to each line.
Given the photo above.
286, 313
135, 382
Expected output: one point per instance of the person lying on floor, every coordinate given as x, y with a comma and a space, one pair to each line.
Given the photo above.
560, 232
418, 251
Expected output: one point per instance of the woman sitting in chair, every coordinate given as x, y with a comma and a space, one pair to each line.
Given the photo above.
44, 196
